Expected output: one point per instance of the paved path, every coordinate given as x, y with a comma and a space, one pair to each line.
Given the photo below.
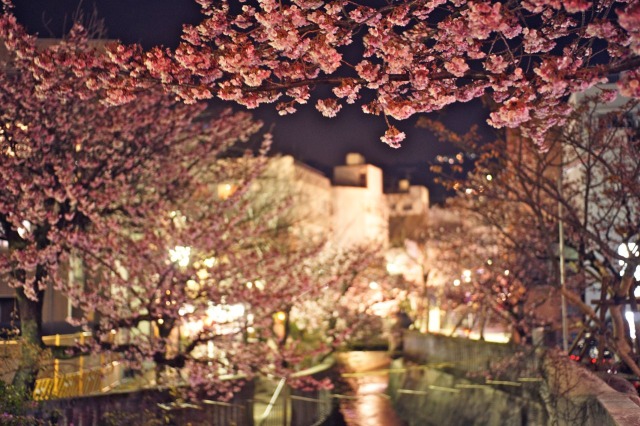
371, 406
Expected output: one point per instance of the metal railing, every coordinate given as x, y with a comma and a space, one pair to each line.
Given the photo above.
81, 376
279, 416
78, 383
64, 378
210, 412
311, 408
287, 406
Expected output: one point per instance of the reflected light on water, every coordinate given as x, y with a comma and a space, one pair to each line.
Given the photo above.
372, 388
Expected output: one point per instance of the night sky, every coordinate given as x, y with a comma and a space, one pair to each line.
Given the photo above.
307, 135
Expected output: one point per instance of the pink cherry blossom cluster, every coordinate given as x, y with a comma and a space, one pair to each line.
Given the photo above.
414, 56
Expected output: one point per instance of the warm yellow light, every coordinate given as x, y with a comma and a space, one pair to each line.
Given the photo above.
210, 262
226, 190
281, 316
202, 274
393, 268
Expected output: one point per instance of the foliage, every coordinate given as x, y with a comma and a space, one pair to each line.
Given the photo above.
91, 184
345, 313
397, 58
16, 406
486, 271
119, 207
586, 177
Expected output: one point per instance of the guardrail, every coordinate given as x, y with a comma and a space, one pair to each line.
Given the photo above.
80, 376
470, 356
542, 386
79, 383
289, 406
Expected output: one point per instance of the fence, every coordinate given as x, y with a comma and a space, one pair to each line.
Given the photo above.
78, 383
469, 356
83, 375
521, 387
296, 407
59, 400
73, 391
307, 408
147, 406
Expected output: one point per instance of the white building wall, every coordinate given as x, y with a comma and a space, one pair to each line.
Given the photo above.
310, 191
360, 211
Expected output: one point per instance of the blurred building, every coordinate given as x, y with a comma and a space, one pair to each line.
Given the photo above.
360, 211
347, 210
408, 200
304, 191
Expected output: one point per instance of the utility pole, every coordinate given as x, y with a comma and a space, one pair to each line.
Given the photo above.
563, 300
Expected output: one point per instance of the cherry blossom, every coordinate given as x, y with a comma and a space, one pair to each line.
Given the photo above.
393, 137
112, 197
426, 53
328, 107
514, 194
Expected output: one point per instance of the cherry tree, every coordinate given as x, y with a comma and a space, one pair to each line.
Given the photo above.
397, 58
83, 179
93, 183
149, 207
349, 312
494, 266
586, 179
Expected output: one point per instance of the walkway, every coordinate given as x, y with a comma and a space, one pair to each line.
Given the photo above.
367, 375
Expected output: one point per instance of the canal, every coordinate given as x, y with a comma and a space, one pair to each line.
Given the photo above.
367, 404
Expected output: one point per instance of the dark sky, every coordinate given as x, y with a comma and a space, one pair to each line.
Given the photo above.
319, 141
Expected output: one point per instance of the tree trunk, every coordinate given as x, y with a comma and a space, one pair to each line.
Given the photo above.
620, 331
30, 339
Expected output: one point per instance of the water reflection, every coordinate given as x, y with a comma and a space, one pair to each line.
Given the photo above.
368, 378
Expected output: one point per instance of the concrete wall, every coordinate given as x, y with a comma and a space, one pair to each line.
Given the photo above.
429, 396
456, 381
